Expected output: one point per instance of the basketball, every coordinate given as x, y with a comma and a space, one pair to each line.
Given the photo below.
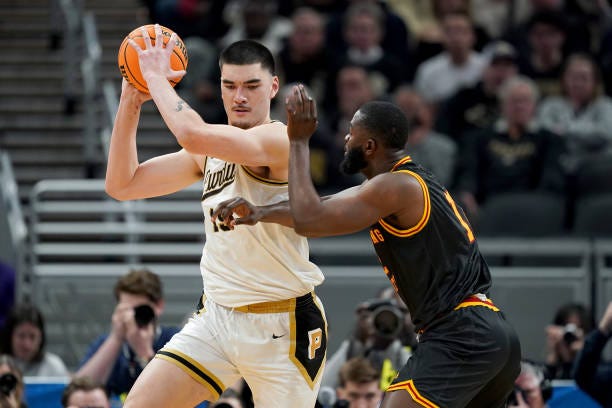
129, 65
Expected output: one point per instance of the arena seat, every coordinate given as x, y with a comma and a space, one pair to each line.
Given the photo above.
525, 214
593, 217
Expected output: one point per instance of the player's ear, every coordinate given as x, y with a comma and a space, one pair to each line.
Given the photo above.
371, 145
275, 87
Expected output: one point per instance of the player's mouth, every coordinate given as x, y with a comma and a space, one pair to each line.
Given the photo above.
241, 109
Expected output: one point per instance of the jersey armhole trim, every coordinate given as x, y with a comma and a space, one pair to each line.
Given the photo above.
424, 218
263, 180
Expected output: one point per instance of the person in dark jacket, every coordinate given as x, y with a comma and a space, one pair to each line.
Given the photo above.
591, 373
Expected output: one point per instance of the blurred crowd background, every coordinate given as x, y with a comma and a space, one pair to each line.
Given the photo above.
509, 102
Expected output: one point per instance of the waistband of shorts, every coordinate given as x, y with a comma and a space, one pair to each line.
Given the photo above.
477, 299
278, 306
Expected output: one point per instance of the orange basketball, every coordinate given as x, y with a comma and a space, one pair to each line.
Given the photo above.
129, 65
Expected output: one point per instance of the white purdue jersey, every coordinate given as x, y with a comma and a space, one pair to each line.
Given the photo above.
251, 264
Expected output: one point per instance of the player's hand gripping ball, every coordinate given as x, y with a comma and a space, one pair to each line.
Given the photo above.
129, 65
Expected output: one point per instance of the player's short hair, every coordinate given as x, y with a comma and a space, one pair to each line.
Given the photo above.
246, 52
386, 122
357, 370
85, 384
140, 282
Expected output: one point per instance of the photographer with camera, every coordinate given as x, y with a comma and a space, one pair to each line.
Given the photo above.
376, 338
118, 358
11, 384
565, 338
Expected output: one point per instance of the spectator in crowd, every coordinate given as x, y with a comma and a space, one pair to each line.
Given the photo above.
604, 53
255, 20
116, 359
24, 339
198, 18
439, 77
543, 62
325, 156
375, 338
565, 338
425, 18
354, 88
7, 291
432, 150
513, 154
496, 17
477, 107
199, 87
358, 383
532, 388
84, 392
304, 57
582, 115
11, 384
578, 30
395, 34
363, 32
591, 373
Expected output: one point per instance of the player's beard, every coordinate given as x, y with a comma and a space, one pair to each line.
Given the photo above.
353, 161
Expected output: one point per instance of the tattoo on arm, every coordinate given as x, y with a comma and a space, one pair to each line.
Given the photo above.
180, 104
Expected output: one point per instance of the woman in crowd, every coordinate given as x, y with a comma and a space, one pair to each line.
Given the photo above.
23, 339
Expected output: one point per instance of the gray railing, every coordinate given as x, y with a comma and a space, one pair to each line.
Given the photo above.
90, 70
15, 246
98, 95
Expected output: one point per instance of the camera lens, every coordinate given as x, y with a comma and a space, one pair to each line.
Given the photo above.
387, 321
569, 333
8, 383
143, 315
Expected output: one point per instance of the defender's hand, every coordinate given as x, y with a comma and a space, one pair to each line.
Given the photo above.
301, 114
154, 60
237, 211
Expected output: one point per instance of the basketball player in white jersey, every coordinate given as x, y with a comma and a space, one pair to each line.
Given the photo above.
258, 318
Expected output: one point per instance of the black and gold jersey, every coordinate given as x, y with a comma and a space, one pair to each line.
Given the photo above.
435, 264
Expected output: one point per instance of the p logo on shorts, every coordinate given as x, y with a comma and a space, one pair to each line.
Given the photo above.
308, 341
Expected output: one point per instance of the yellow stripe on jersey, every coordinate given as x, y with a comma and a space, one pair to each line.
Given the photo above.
426, 211
404, 160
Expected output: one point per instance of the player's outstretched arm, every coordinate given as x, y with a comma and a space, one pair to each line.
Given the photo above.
238, 211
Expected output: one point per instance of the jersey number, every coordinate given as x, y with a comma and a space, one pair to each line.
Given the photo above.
463, 222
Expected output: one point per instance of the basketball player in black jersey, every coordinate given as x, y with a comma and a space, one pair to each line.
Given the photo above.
468, 354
